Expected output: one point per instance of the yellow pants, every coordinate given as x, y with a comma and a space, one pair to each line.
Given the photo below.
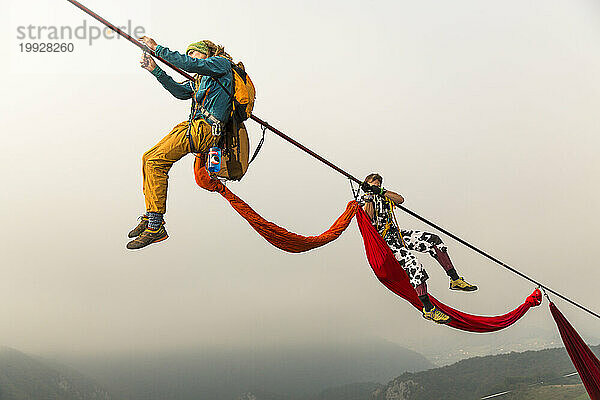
157, 161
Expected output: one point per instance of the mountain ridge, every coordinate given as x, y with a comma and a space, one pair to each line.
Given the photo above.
24, 377
476, 377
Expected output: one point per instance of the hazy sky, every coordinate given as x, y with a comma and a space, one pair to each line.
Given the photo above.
484, 115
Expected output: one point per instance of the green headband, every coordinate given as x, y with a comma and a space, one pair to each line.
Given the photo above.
198, 46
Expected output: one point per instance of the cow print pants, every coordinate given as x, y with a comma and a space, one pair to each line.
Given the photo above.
423, 242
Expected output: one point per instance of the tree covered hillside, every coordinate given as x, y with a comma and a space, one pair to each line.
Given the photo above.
477, 377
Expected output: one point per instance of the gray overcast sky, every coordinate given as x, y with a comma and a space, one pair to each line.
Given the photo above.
484, 115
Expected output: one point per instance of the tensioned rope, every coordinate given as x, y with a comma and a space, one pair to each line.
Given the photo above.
331, 165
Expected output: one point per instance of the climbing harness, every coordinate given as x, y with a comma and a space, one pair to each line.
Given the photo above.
215, 124
390, 220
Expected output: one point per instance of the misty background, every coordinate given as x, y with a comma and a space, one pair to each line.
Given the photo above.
483, 115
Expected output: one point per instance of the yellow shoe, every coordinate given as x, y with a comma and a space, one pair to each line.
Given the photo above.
437, 316
461, 284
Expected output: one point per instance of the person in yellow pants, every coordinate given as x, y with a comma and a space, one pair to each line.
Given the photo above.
210, 112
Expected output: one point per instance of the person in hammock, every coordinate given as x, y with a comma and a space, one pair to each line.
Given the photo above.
197, 135
378, 204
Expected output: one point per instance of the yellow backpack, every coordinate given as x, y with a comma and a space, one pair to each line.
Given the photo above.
244, 93
234, 142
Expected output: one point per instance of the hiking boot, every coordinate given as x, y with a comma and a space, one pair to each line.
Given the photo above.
437, 316
137, 231
461, 284
147, 237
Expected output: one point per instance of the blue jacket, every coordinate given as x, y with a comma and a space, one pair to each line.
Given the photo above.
209, 93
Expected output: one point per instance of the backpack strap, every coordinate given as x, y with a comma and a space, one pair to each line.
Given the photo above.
192, 114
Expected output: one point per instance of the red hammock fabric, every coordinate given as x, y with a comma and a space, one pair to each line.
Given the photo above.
585, 361
390, 273
384, 264
274, 234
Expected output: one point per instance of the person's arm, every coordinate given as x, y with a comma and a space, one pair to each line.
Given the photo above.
181, 91
395, 197
379, 191
212, 66
369, 205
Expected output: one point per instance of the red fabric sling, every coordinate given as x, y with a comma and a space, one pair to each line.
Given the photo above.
390, 273
585, 361
384, 264
274, 234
